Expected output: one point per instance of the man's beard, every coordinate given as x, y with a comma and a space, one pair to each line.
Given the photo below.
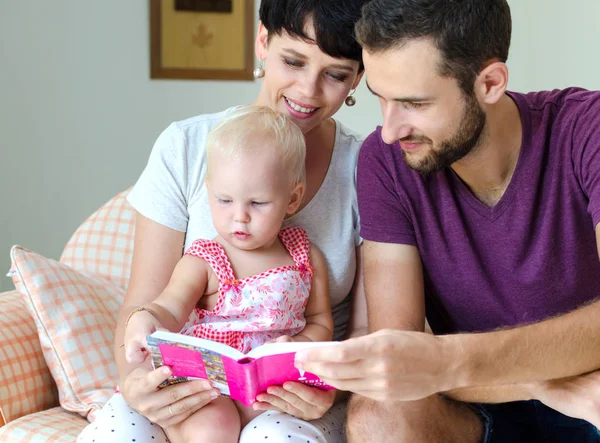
456, 147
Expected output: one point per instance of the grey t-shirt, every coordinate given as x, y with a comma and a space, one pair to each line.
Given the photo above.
171, 192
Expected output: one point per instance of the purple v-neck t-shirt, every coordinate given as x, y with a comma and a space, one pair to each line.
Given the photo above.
533, 255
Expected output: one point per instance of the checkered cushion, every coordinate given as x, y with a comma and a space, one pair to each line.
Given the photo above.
52, 425
75, 314
27, 385
103, 244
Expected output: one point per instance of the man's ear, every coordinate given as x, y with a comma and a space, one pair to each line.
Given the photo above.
295, 198
491, 83
261, 42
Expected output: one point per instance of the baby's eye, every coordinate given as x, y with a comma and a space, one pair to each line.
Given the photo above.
259, 203
223, 200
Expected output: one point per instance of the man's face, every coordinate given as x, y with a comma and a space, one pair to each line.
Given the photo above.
435, 123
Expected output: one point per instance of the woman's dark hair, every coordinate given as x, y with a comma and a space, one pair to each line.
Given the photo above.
468, 33
333, 22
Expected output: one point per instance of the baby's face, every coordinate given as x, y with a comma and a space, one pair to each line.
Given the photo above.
249, 197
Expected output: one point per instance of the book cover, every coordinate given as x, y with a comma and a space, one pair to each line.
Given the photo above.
236, 375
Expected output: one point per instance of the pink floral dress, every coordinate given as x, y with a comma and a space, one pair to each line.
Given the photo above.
258, 308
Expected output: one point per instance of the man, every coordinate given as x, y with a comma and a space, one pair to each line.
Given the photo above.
480, 209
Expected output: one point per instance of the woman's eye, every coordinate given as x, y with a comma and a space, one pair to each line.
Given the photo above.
292, 63
338, 77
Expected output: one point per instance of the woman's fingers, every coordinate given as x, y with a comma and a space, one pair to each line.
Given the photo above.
156, 377
311, 395
178, 411
268, 402
183, 398
304, 402
174, 393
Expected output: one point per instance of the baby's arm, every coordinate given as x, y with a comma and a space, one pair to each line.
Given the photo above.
171, 309
319, 322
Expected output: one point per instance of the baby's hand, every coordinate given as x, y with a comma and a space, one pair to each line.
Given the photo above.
282, 339
140, 324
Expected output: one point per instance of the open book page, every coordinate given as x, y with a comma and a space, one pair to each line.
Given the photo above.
196, 342
286, 348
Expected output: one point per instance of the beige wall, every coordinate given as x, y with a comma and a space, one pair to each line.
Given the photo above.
78, 113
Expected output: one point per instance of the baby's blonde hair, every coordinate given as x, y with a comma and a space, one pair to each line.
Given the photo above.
231, 135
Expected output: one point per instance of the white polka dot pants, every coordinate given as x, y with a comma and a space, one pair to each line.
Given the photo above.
276, 427
118, 423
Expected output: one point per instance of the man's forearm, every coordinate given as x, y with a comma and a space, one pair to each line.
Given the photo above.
559, 347
490, 394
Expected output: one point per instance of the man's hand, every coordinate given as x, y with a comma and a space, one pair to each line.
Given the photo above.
387, 365
577, 397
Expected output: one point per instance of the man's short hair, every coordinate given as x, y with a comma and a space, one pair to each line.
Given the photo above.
468, 33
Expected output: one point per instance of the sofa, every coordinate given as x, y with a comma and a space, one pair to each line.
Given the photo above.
56, 366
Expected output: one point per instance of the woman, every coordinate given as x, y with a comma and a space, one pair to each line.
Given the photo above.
311, 64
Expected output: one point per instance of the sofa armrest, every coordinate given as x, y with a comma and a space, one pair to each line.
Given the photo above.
27, 385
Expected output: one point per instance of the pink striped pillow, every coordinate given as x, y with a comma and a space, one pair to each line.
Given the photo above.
75, 314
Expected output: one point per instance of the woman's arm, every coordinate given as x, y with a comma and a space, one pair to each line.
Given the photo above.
157, 249
319, 322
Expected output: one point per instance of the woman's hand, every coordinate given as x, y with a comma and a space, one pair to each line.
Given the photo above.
297, 399
167, 406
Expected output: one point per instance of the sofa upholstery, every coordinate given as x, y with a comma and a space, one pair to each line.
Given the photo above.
30, 410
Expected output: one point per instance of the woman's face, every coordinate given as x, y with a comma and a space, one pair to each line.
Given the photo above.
302, 81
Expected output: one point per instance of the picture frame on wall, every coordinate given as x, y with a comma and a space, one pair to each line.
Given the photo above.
202, 39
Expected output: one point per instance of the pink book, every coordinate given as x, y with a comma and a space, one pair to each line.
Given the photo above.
239, 376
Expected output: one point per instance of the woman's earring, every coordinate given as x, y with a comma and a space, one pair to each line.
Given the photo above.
350, 100
259, 72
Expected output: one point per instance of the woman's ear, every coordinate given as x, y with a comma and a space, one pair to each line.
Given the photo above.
295, 199
358, 79
261, 42
491, 83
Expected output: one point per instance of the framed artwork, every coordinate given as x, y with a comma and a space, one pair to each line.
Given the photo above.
202, 39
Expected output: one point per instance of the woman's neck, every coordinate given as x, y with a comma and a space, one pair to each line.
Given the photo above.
319, 150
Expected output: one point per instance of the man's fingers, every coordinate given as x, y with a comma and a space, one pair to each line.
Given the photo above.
359, 369
349, 350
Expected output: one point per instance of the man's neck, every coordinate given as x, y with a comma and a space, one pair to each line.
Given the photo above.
487, 171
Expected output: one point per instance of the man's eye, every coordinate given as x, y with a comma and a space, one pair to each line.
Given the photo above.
416, 105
